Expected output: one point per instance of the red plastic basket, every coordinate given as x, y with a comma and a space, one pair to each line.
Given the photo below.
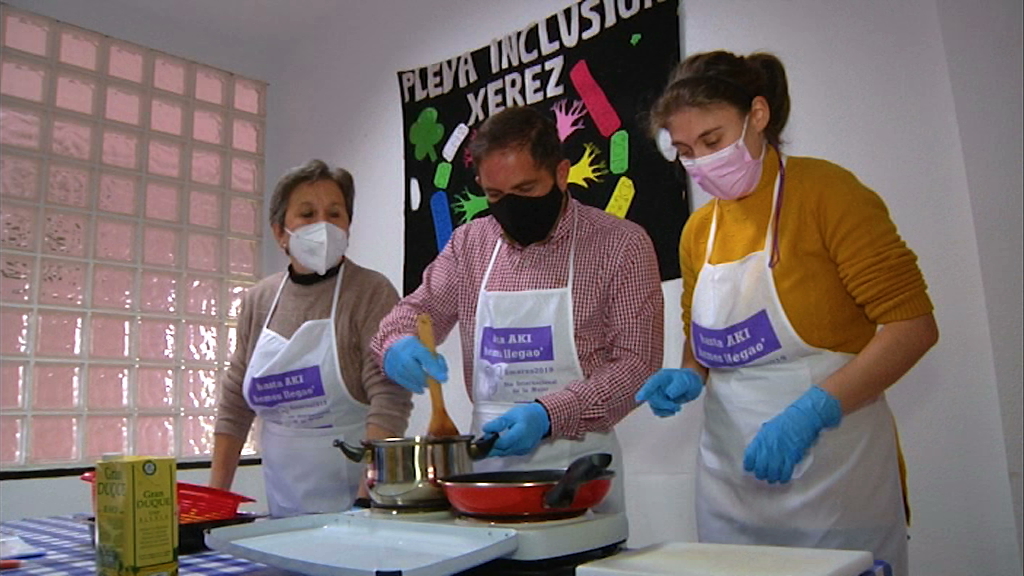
197, 503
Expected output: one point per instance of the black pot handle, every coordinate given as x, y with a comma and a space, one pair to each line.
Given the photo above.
479, 449
582, 469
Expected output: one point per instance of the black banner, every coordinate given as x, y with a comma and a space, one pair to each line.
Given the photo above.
595, 68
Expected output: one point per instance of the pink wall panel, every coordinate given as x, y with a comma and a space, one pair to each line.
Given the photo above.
202, 296
244, 175
207, 166
59, 334
23, 80
71, 138
197, 435
53, 439
126, 62
20, 127
27, 33
105, 435
162, 201
68, 186
169, 74
248, 96
165, 158
113, 287
159, 292
120, 149
203, 252
65, 233
16, 277
11, 432
154, 435
75, 93
200, 342
166, 115
56, 386
118, 194
12, 384
160, 246
204, 209
108, 387
158, 339
79, 48
246, 136
19, 226
123, 104
19, 177
111, 336
14, 338
155, 388
243, 256
62, 282
210, 85
115, 239
199, 389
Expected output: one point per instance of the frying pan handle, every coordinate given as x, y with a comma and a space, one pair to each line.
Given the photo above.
582, 470
479, 449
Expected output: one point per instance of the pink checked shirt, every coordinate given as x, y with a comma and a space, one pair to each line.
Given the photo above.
617, 307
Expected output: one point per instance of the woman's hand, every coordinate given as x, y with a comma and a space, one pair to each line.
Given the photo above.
784, 440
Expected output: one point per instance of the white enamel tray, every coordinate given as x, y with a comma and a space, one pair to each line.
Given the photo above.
346, 545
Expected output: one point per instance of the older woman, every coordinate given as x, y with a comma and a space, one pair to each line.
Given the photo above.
302, 363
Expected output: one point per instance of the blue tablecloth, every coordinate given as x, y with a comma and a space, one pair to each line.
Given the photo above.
69, 552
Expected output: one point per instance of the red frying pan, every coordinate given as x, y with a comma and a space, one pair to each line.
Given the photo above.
532, 494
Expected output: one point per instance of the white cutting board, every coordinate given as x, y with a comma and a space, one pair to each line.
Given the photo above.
693, 559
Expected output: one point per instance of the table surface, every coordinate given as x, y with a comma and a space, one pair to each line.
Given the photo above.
69, 552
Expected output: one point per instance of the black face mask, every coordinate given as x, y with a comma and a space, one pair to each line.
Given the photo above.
528, 219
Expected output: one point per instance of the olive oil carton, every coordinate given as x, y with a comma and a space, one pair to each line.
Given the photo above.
136, 517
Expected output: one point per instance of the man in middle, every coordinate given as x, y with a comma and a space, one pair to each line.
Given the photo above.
559, 307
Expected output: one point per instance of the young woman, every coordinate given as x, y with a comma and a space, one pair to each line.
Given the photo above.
801, 305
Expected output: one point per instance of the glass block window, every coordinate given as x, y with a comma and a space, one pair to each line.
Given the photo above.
130, 202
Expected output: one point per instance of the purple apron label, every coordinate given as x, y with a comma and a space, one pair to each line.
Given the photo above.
741, 344
291, 386
510, 345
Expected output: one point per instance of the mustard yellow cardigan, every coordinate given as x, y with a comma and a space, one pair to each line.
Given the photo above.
842, 267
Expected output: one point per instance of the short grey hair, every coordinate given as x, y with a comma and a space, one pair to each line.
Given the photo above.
312, 171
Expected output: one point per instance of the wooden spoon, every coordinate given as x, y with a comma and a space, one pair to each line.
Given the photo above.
440, 423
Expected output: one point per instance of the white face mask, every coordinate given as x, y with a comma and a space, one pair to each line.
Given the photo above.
318, 246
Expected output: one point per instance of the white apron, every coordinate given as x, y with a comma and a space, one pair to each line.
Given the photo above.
524, 347
296, 388
846, 492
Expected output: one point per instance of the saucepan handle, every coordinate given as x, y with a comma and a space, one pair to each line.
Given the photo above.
479, 449
582, 470
353, 453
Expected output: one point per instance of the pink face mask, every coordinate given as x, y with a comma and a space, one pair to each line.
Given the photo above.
728, 174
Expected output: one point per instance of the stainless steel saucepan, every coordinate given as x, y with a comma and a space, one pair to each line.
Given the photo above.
406, 472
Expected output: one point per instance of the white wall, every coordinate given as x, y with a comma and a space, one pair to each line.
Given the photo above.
986, 72
872, 90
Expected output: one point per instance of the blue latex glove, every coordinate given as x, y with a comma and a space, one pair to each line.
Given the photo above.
523, 425
668, 389
783, 441
408, 362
